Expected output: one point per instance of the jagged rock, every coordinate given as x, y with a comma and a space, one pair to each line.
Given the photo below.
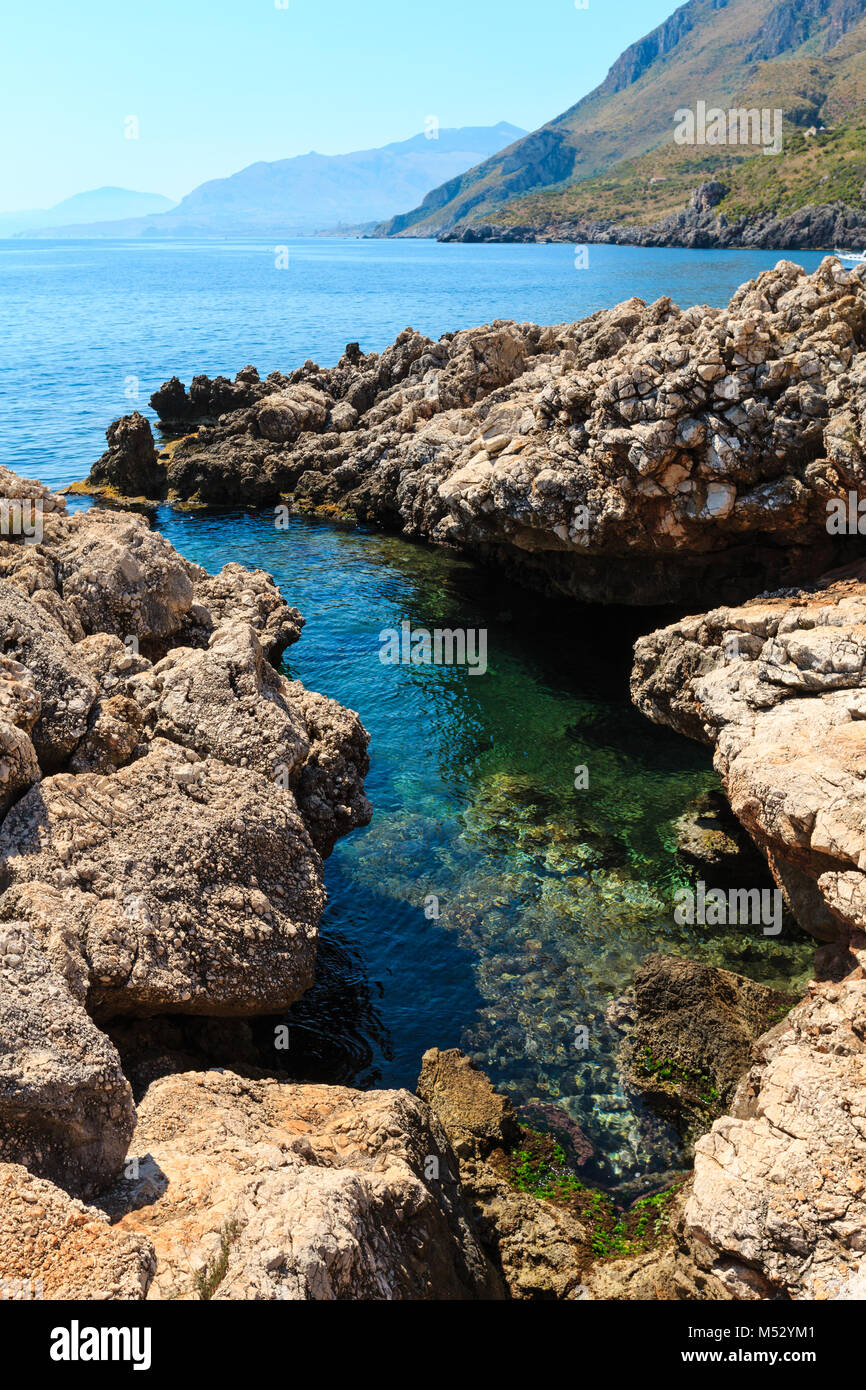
227, 702
540, 1248
779, 687
64, 686
235, 593
329, 787
193, 885
52, 1246
778, 1197
113, 735
121, 577
623, 458
690, 1035
20, 707
476, 1117
130, 465
66, 1109
256, 1189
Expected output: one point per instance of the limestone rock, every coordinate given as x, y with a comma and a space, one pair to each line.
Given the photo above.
193, 885
66, 1109
691, 1035
622, 458
54, 1247
64, 686
121, 577
477, 1118
130, 466
256, 1189
779, 1188
778, 686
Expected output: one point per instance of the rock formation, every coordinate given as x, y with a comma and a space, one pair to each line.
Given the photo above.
777, 687
622, 458
155, 855
256, 1189
689, 1037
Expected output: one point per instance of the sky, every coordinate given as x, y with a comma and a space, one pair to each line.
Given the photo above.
215, 85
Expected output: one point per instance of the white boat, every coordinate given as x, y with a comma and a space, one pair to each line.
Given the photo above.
857, 256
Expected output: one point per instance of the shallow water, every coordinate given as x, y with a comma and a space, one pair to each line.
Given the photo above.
547, 895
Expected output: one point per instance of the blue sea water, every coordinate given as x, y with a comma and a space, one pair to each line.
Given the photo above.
545, 896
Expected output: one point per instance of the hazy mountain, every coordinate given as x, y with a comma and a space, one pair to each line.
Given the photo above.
94, 206
315, 192
803, 56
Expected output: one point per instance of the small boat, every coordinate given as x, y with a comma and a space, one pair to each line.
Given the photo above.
857, 256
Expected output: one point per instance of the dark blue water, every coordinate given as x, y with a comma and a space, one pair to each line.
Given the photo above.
547, 896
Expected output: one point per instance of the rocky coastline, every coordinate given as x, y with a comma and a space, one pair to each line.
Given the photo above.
168, 798
816, 227
625, 458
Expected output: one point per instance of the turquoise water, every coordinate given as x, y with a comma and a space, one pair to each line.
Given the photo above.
546, 896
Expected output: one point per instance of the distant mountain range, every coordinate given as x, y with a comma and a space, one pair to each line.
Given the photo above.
611, 160
97, 205
309, 193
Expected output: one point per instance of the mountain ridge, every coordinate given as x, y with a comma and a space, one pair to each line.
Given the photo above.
715, 50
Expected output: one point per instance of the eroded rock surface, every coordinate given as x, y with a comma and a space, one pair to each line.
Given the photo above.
697, 445
779, 1183
52, 1246
66, 1109
778, 686
255, 1189
690, 1035
166, 798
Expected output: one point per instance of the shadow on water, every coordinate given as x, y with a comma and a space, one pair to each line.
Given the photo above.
492, 904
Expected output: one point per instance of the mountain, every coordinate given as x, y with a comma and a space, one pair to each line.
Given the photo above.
94, 206
315, 192
613, 156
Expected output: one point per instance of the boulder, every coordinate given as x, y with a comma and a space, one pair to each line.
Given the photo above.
193, 886
251, 1188
66, 1109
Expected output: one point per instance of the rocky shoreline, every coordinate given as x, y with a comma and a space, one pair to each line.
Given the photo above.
168, 798
625, 458
817, 227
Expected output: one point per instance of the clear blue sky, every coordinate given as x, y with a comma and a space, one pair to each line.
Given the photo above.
218, 84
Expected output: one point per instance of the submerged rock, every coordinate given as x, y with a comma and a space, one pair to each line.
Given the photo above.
690, 1033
